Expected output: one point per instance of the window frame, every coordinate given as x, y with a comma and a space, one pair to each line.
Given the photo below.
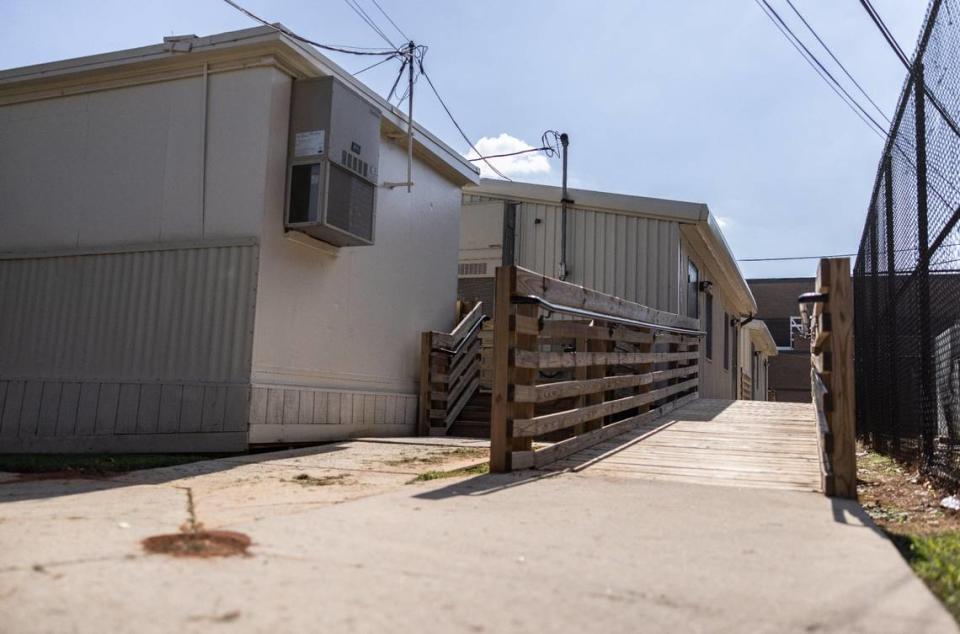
693, 289
726, 341
708, 316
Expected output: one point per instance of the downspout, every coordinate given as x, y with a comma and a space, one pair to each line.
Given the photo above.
203, 154
564, 199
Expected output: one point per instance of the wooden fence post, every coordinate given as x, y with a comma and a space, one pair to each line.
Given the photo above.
500, 436
833, 278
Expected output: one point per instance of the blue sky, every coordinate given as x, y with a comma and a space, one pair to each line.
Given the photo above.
700, 100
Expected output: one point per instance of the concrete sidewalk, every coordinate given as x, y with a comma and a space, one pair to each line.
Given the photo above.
518, 553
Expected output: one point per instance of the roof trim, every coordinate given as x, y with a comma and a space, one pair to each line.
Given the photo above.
159, 62
593, 200
760, 333
688, 214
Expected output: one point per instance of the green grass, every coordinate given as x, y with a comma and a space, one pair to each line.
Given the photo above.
93, 464
936, 560
475, 470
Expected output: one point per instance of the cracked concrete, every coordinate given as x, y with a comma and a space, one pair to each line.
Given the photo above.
556, 552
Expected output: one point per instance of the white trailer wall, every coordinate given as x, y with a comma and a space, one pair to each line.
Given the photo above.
337, 338
630, 256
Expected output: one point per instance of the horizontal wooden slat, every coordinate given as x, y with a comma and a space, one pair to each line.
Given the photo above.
547, 423
452, 339
562, 449
536, 360
471, 351
563, 389
528, 283
572, 330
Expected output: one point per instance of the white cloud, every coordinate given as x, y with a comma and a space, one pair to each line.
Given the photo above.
532, 163
723, 221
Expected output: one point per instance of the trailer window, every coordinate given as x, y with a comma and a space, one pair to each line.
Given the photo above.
726, 341
709, 319
693, 290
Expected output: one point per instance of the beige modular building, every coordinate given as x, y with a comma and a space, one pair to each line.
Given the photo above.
665, 254
757, 347
202, 247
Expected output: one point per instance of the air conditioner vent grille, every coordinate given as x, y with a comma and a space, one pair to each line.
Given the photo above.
350, 203
473, 268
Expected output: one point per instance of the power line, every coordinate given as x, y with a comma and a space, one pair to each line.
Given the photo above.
353, 4
832, 79
327, 47
892, 41
798, 257
389, 19
806, 57
374, 65
838, 62
457, 125
846, 97
527, 151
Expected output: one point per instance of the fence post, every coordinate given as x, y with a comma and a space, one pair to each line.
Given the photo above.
423, 418
892, 378
838, 312
874, 366
503, 341
923, 270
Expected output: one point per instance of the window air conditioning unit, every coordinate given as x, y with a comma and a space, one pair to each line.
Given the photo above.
333, 153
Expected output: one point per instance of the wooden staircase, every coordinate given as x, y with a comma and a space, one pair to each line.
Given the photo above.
474, 418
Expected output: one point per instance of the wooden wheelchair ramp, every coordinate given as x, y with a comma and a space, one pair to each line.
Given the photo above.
733, 443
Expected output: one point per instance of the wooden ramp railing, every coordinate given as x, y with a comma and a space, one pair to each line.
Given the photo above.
605, 367
449, 372
831, 374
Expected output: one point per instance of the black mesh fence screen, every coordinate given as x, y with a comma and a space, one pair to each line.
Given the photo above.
907, 273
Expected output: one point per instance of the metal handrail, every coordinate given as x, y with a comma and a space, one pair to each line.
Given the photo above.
466, 338
583, 312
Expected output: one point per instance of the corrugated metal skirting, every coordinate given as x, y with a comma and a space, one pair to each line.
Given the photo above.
150, 343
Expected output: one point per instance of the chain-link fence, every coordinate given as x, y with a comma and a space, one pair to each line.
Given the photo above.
907, 273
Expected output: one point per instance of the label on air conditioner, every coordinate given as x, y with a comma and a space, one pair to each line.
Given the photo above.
308, 143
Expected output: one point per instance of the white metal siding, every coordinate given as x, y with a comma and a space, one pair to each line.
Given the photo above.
176, 314
624, 255
139, 350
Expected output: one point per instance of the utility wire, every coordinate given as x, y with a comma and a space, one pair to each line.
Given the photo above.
457, 125
892, 41
389, 19
550, 146
527, 151
352, 50
819, 64
375, 64
798, 257
857, 111
848, 99
353, 4
838, 62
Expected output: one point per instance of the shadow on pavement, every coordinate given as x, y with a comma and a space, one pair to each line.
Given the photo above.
37, 486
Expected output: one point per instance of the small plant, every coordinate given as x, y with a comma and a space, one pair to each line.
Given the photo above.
475, 470
306, 479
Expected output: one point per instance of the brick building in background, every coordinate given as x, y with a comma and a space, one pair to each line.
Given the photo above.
777, 307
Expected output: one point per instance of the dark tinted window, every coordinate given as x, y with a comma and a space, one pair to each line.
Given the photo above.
726, 341
709, 325
693, 290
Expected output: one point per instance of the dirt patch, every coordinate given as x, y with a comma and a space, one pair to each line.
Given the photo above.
308, 480
201, 544
53, 475
460, 453
475, 470
899, 499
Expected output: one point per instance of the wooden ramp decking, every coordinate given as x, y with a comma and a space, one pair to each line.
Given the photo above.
732, 443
